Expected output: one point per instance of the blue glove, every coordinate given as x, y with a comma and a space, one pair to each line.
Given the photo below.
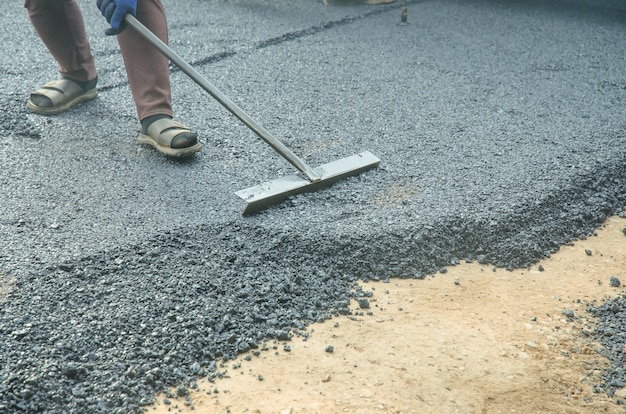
114, 11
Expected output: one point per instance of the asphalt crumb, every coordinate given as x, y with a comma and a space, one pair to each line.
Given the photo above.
611, 333
14, 118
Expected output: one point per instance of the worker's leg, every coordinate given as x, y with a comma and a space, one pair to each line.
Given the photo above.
60, 26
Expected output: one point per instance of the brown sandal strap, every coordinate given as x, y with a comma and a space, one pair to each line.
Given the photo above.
60, 91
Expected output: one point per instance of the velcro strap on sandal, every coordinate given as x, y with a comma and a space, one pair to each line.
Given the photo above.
164, 130
60, 91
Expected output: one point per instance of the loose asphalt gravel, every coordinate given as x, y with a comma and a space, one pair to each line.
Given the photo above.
501, 130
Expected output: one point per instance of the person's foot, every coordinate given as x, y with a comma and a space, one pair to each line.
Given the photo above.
60, 95
169, 137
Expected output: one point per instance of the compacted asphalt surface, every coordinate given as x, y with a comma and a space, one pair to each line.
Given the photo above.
500, 126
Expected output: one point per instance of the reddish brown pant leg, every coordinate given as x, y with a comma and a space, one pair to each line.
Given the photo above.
147, 69
60, 26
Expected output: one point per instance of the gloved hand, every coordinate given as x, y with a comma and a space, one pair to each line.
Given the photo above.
114, 11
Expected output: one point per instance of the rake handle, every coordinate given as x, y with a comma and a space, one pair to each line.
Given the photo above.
221, 98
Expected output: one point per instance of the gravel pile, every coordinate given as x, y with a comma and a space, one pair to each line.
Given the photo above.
103, 334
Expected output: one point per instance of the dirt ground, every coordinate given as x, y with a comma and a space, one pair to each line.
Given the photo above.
472, 340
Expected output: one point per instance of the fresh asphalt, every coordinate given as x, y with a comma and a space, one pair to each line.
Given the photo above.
500, 128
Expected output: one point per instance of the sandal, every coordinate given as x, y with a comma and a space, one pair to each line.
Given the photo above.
163, 133
62, 94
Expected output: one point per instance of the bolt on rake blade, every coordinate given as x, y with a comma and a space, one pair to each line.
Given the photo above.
273, 192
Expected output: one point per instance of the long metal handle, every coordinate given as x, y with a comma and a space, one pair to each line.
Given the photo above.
222, 99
